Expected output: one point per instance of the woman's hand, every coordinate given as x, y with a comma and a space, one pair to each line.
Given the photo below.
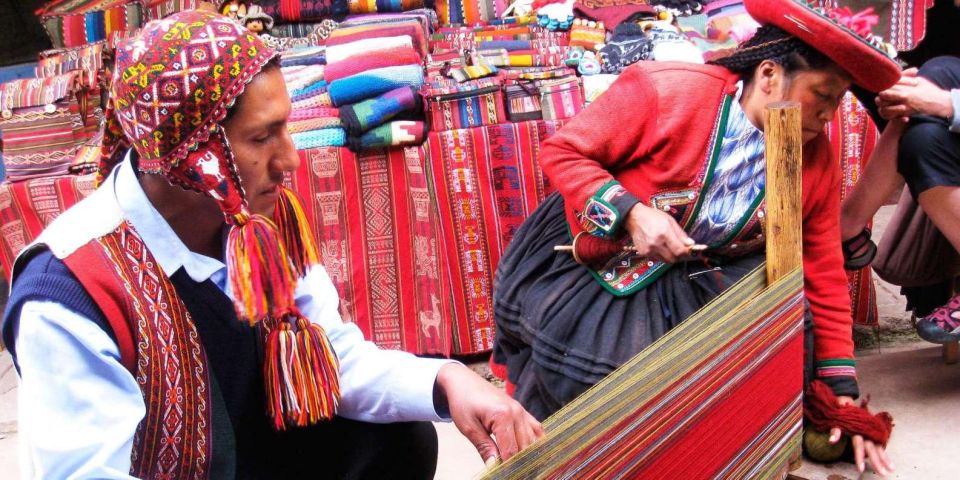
656, 234
878, 457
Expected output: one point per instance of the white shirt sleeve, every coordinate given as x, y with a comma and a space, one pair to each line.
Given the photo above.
79, 407
376, 385
955, 100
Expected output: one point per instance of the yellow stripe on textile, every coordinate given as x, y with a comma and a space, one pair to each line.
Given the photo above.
719, 396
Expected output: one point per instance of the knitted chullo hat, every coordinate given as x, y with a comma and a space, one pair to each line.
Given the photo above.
172, 86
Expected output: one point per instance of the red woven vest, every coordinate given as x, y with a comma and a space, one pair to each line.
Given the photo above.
160, 346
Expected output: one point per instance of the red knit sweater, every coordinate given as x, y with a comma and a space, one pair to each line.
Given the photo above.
651, 130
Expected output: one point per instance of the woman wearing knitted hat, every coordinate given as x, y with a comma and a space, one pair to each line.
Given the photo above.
177, 324
671, 159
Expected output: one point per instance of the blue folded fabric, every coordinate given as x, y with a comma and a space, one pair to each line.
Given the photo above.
373, 83
324, 137
508, 45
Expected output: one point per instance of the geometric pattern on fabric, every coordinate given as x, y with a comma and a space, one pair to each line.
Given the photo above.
908, 23
171, 88
853, 137
719, 396
174, 438
27, 207
378, 234
486, 180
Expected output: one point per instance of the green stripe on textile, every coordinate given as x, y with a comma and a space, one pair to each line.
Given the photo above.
838, 362
632, 418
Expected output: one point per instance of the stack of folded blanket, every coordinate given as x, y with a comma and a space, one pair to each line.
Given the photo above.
313, 121
373, 71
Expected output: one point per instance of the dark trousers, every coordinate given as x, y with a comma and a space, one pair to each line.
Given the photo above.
929, 154
347, 449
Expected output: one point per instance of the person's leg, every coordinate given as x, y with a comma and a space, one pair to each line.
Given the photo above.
929, 160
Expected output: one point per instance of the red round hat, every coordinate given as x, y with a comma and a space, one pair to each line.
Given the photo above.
837, 33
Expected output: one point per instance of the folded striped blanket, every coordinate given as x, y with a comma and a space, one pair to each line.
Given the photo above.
339, 53
508, 45
308, 91
402, 133
374, 82
300, 77
303, 56
326, 137
320, 100
300, 126
315, 112
410, 28
363, 116
427, 17
364, 61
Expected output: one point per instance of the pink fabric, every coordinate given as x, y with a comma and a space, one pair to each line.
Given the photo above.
368, 61
347, 35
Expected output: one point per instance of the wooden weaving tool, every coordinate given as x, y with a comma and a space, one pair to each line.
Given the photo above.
720, 395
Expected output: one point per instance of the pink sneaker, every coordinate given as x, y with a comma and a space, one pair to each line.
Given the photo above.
943, 325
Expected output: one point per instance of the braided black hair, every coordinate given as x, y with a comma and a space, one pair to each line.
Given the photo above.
772, 43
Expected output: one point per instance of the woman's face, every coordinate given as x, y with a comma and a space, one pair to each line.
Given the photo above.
819, 93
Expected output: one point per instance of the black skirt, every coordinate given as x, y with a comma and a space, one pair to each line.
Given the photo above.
559, 331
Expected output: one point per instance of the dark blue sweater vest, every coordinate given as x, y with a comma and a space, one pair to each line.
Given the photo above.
240, 427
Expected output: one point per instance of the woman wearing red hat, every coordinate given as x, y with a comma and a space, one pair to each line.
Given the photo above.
672, 157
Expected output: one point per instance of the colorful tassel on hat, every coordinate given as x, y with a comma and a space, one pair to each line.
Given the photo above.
296, 234
300, 374
261, 278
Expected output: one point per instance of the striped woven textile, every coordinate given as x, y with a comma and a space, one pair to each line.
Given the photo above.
27, 207
378, 236
88, 58
324, 137
74, 23
300, 126
486, 182
43, 125
852, 137
384, 6
374, 82
157, 9
719, 396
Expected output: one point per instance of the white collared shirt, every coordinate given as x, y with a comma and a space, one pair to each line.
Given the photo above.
79, 407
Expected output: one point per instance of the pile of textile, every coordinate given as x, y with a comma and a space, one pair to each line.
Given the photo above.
313, 121
375, 69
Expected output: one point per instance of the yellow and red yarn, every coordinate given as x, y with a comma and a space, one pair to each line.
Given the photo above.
262, 281
297, 236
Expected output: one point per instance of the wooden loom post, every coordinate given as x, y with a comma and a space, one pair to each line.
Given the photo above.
783, 132
784, 157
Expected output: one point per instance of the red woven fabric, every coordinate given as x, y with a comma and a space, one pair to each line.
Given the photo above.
27, 207
852, 137
377, 232
823, 413
487, 181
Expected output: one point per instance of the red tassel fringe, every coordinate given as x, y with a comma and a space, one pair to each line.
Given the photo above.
823, 413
